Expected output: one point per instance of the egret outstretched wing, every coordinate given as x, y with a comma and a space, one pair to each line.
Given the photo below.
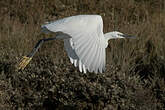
87, 38
74, 59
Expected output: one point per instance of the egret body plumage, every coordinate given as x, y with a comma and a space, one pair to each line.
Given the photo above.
84, 41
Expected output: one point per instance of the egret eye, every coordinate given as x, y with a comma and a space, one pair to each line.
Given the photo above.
120, 34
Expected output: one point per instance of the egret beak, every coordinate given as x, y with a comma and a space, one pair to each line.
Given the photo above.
127, 36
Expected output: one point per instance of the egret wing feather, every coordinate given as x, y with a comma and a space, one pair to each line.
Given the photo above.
87, 37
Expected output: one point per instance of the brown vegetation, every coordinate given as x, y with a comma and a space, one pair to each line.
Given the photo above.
135, 75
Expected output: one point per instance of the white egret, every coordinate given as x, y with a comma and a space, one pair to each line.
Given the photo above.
84, 41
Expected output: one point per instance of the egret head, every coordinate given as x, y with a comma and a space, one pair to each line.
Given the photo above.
116, 35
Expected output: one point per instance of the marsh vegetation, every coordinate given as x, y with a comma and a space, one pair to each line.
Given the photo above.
135, 70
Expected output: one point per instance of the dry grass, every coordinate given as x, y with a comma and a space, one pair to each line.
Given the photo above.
135, 73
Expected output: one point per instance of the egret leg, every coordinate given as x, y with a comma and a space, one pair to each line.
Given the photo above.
26, 59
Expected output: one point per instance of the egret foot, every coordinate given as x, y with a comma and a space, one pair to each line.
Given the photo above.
23, 63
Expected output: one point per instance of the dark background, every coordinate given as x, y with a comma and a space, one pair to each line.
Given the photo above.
135, 74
